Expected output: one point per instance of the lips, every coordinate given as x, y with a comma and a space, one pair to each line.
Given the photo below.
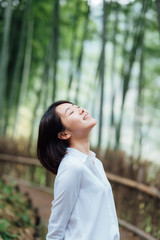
85, 116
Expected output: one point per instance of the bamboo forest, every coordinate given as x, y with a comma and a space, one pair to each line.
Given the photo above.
103, 55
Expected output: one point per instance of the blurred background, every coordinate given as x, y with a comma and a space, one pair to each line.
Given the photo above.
103, 55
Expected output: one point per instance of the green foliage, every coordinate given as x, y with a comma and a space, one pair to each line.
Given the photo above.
40, 175
4, 224
69, 37
14, 212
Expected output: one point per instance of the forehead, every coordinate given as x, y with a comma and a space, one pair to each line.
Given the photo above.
61, 109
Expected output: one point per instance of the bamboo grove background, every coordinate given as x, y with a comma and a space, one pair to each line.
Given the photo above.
104, 57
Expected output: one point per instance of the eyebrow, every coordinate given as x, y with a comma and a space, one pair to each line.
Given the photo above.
68, 109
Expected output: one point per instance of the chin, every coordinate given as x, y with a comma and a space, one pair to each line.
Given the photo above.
94, 122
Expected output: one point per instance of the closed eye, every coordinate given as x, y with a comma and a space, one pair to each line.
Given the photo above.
71, 112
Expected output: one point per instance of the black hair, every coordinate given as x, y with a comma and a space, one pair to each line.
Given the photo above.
51, 149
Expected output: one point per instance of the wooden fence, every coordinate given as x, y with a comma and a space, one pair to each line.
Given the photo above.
138, 205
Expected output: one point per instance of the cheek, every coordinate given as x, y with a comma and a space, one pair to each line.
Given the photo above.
74, 123
71, 124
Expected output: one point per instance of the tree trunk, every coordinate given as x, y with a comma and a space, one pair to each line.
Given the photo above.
47, 74
44, 83
34, 116
102, 71
56, 45
72, 49
138, 136
79, 62
5, 56
27, 64
50, 58
127, 75
113, 93
14, 84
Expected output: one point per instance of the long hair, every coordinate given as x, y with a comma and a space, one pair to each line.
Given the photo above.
51, 149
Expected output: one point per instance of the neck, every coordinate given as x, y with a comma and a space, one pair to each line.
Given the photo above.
82, 145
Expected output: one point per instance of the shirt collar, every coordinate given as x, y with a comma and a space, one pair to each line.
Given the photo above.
82, 156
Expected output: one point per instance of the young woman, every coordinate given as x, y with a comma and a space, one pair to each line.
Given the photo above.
83, 207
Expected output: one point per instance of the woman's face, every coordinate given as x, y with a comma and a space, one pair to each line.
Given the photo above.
75, 119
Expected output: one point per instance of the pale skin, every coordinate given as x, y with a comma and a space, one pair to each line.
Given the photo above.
78, 125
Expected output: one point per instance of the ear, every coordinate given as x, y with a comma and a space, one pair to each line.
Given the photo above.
63, 135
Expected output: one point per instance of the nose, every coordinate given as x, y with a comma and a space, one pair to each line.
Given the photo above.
81, 110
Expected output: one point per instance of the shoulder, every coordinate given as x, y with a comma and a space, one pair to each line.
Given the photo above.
98, 161
69, 174
99, 164
70, 163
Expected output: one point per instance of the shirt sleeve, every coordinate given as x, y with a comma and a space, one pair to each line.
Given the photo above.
66, 192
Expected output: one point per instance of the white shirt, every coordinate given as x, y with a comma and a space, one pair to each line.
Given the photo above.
83, 207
